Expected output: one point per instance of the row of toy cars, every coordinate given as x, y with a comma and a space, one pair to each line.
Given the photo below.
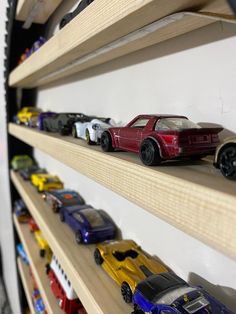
29, 51
155, 138
143, 280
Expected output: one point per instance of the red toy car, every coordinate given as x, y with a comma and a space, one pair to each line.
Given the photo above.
32, 225
161, 137
63, 290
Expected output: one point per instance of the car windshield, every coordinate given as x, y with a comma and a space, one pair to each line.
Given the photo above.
169, 297
51, 180
175, 124
93, 216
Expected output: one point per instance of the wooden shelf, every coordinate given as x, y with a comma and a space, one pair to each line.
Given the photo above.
27, 283
97, 291
194, 197
41, 10
38, 267
110, 29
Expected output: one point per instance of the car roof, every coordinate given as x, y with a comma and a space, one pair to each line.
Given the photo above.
160, 116
155, 286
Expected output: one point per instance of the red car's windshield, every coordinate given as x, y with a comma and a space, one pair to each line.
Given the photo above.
175, 124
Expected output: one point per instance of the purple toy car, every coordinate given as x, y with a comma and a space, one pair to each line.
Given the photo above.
90, 225
42, 116
36, 45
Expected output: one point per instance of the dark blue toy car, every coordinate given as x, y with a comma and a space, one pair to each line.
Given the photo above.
27, 172
62, 198
42, 116
167, 293
21, 252
21, 211
90, 225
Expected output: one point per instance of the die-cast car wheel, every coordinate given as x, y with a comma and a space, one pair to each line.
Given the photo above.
149, 153
42, 253
74, 132
87, 135
126, 292
78, 237
227, 162
98, 257
106, 142
62, 217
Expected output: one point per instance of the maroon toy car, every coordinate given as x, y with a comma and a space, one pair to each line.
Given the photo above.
161, 137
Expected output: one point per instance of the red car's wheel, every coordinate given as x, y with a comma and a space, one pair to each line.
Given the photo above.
149, 153
227, 162
106, 142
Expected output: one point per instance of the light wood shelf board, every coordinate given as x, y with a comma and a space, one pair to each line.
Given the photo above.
25, 7
97, 291
27, 283
38, 266
103, 23
192, 196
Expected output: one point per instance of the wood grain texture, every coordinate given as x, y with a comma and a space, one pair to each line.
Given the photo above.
37, 264
102, 23
97, 291
27, 283
24, 8
193, 197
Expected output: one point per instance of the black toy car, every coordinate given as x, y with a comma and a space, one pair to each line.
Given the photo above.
27, 172
63, 122
69, 16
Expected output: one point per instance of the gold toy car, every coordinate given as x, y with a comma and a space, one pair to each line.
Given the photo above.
43, 245
46, 182
225, 158
127, 264
26, 114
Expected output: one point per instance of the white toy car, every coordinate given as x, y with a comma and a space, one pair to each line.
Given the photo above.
91, 131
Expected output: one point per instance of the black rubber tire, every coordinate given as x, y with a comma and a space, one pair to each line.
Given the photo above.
55, 208
41, 252
88, 140
106, 142
227, 162
78, 237
62, 217
74, 132
98, 257
126, 292
149, 153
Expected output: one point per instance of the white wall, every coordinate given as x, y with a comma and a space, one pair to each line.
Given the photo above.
6, 228
192, 75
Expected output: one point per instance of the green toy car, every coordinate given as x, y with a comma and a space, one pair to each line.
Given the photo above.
21, 162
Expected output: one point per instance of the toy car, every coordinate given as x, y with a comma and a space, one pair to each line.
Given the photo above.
161, 137
32, 225
38, 302
46, 182
24, 56
127, 264
21, 162
63, 122
90, 225
26, 113
167, 293
63, 290
68, 17
22, 253
42, 116
37, 44
27, 172
43, 244
58, 198
21, 211
225, 158
90, 131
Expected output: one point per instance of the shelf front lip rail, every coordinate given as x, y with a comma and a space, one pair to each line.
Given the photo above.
26, 282
96, 290
195, 199
82, 46
36, 263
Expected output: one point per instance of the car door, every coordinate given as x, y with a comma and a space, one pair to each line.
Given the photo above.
131, 136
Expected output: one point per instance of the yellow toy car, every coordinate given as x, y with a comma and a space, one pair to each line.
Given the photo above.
27, 113
46, 182
43, 245
127, 264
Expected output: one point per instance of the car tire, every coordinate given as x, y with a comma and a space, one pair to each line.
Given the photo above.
87, 136
55, 208
62, 217
78, 237
227, 162
149, 153
74, 132
98, 257
126, 292
65, 20
42, 253
106, 142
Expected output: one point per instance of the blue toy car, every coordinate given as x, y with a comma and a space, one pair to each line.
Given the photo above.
39, 306
22, 253
90, 225
167, 293
21, 211
62, 198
